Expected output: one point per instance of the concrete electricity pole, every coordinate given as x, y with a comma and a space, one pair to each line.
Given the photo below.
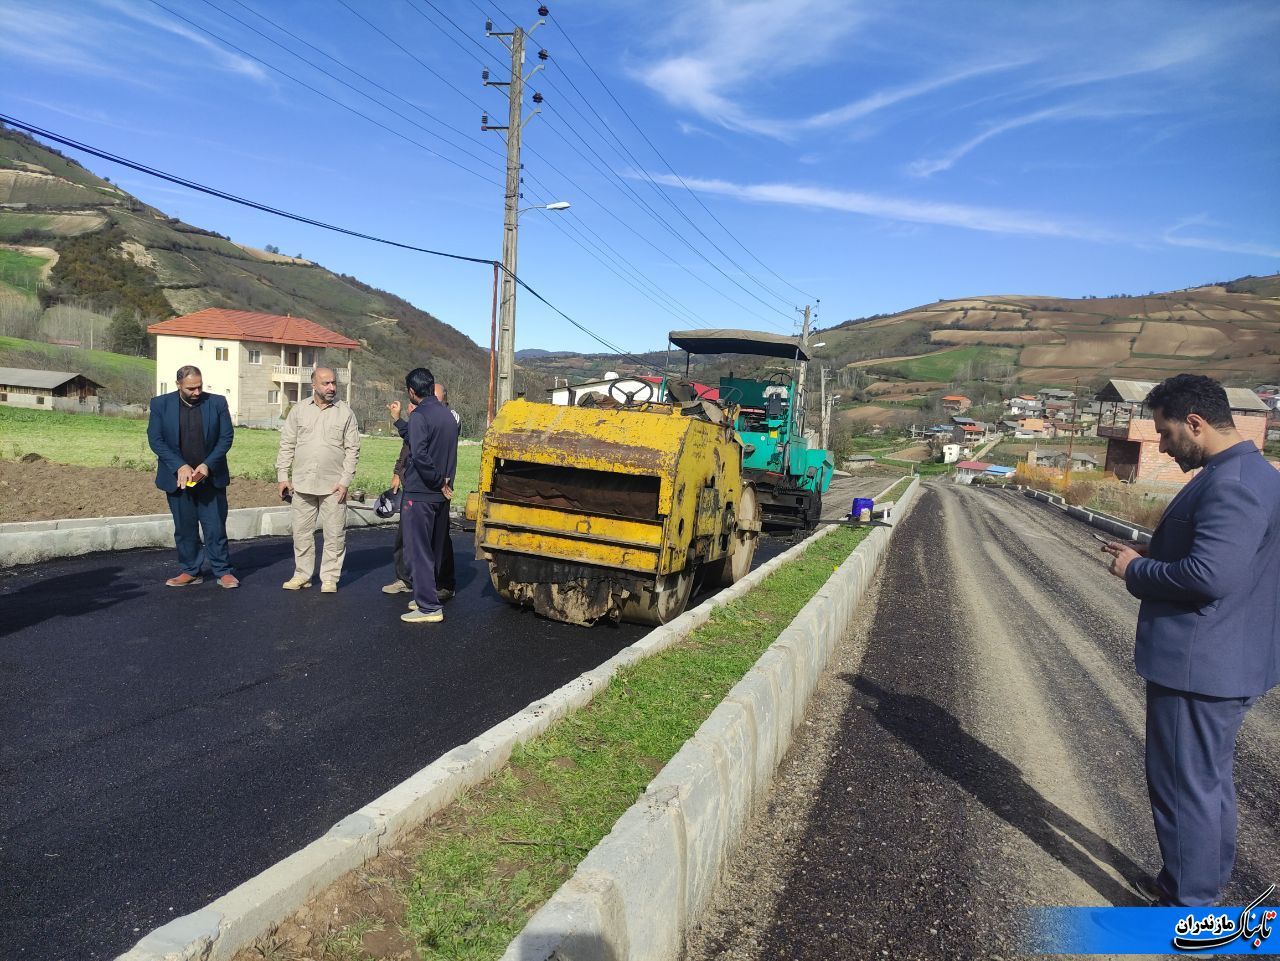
506, 334
800, 400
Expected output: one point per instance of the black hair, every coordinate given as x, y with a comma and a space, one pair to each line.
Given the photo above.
1178, 397
420, 381
187, 371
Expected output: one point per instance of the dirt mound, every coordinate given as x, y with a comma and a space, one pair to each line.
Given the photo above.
40, 491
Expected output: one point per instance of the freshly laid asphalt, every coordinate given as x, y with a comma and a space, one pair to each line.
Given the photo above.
163, 745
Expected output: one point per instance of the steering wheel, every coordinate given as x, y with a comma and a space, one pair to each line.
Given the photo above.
618, 393
729, 396
779, 377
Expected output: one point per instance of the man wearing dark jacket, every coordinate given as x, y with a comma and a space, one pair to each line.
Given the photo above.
1208, 631
445, 574
190, 433
432, 436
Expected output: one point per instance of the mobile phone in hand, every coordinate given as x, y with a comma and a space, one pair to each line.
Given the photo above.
1105, 540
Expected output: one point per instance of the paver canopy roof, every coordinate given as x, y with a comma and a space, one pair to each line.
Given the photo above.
726, 341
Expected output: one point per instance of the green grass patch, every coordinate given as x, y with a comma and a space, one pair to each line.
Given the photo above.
944, 365
20, 270
499, 852
897, 490
923, 468
94, 441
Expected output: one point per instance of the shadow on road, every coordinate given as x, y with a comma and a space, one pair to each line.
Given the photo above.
67, 595
940, 740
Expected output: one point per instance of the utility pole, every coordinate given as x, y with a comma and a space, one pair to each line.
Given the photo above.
826, 415
505, 347
800, 399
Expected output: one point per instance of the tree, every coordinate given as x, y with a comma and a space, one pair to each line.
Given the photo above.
125, 335
271, 249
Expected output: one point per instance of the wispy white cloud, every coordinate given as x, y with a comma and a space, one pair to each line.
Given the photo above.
1175, 237
737, 45
112, 39
927, 167
882, 99
968, 217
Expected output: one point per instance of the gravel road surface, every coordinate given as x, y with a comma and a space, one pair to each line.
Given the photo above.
975, 749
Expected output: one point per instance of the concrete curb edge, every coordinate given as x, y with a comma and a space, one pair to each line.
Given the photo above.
636, 893
30, 542
235, 920
1105, 522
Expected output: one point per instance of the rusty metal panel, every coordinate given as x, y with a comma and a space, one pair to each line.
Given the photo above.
565, 548
616, 530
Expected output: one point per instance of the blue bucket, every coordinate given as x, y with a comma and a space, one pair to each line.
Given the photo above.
861, 504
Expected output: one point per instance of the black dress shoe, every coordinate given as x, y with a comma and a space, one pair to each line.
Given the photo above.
1150, 891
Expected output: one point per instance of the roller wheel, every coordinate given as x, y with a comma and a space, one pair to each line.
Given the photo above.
742, 544
662, 603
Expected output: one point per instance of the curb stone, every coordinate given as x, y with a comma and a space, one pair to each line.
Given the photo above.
1106, 522
29, 542
254, 908
637, 892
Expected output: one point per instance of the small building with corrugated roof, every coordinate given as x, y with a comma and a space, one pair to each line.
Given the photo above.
63, 390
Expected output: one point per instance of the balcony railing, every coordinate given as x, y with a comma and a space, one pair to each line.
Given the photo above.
299, 375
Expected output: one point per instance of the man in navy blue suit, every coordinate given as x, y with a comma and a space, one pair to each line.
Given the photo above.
190, 432
1208, 631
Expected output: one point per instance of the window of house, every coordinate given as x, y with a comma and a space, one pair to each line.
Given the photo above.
40, 399
220, 353
4, 398
273, 397
255, 357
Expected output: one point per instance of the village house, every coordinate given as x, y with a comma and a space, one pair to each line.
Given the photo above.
1022, 405
1055, 394
967, 470
1133, 447
261, 363
62, 390
955, 404
1059, 459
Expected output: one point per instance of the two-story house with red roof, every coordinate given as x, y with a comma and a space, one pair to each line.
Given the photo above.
261, 363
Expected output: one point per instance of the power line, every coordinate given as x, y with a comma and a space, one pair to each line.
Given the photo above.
409, 53
337, 79
665, 162
645, 206
613, 262
626, 187
321, 93
481, 47
300, 218
653, 184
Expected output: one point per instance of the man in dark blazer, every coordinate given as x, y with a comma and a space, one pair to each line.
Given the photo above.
1208, 631
190, 433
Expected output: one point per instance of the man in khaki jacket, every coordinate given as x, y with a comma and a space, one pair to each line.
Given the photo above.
320, 443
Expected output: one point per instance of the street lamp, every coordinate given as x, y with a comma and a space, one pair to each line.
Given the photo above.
502, 356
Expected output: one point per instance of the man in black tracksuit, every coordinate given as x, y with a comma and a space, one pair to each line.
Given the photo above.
432, 436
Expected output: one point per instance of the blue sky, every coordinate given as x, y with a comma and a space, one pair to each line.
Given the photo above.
874, 156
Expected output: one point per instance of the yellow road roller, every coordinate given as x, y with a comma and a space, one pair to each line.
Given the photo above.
587, 513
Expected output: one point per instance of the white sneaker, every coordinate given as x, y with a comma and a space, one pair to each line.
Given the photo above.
329, 587
397, 587
297, 583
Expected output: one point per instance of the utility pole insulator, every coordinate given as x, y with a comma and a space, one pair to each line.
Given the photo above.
537, 97
488, 27
543, 55
543, 11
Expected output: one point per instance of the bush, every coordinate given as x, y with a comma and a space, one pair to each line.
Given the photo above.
1079, 493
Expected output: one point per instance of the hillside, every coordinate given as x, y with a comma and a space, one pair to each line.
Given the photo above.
105, 251
1230, 331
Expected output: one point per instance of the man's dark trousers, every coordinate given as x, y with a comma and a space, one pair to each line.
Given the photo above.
445, 577
200, 510
1191, 741
426, 527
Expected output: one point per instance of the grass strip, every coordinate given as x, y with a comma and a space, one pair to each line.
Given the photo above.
499, 852
897, 490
